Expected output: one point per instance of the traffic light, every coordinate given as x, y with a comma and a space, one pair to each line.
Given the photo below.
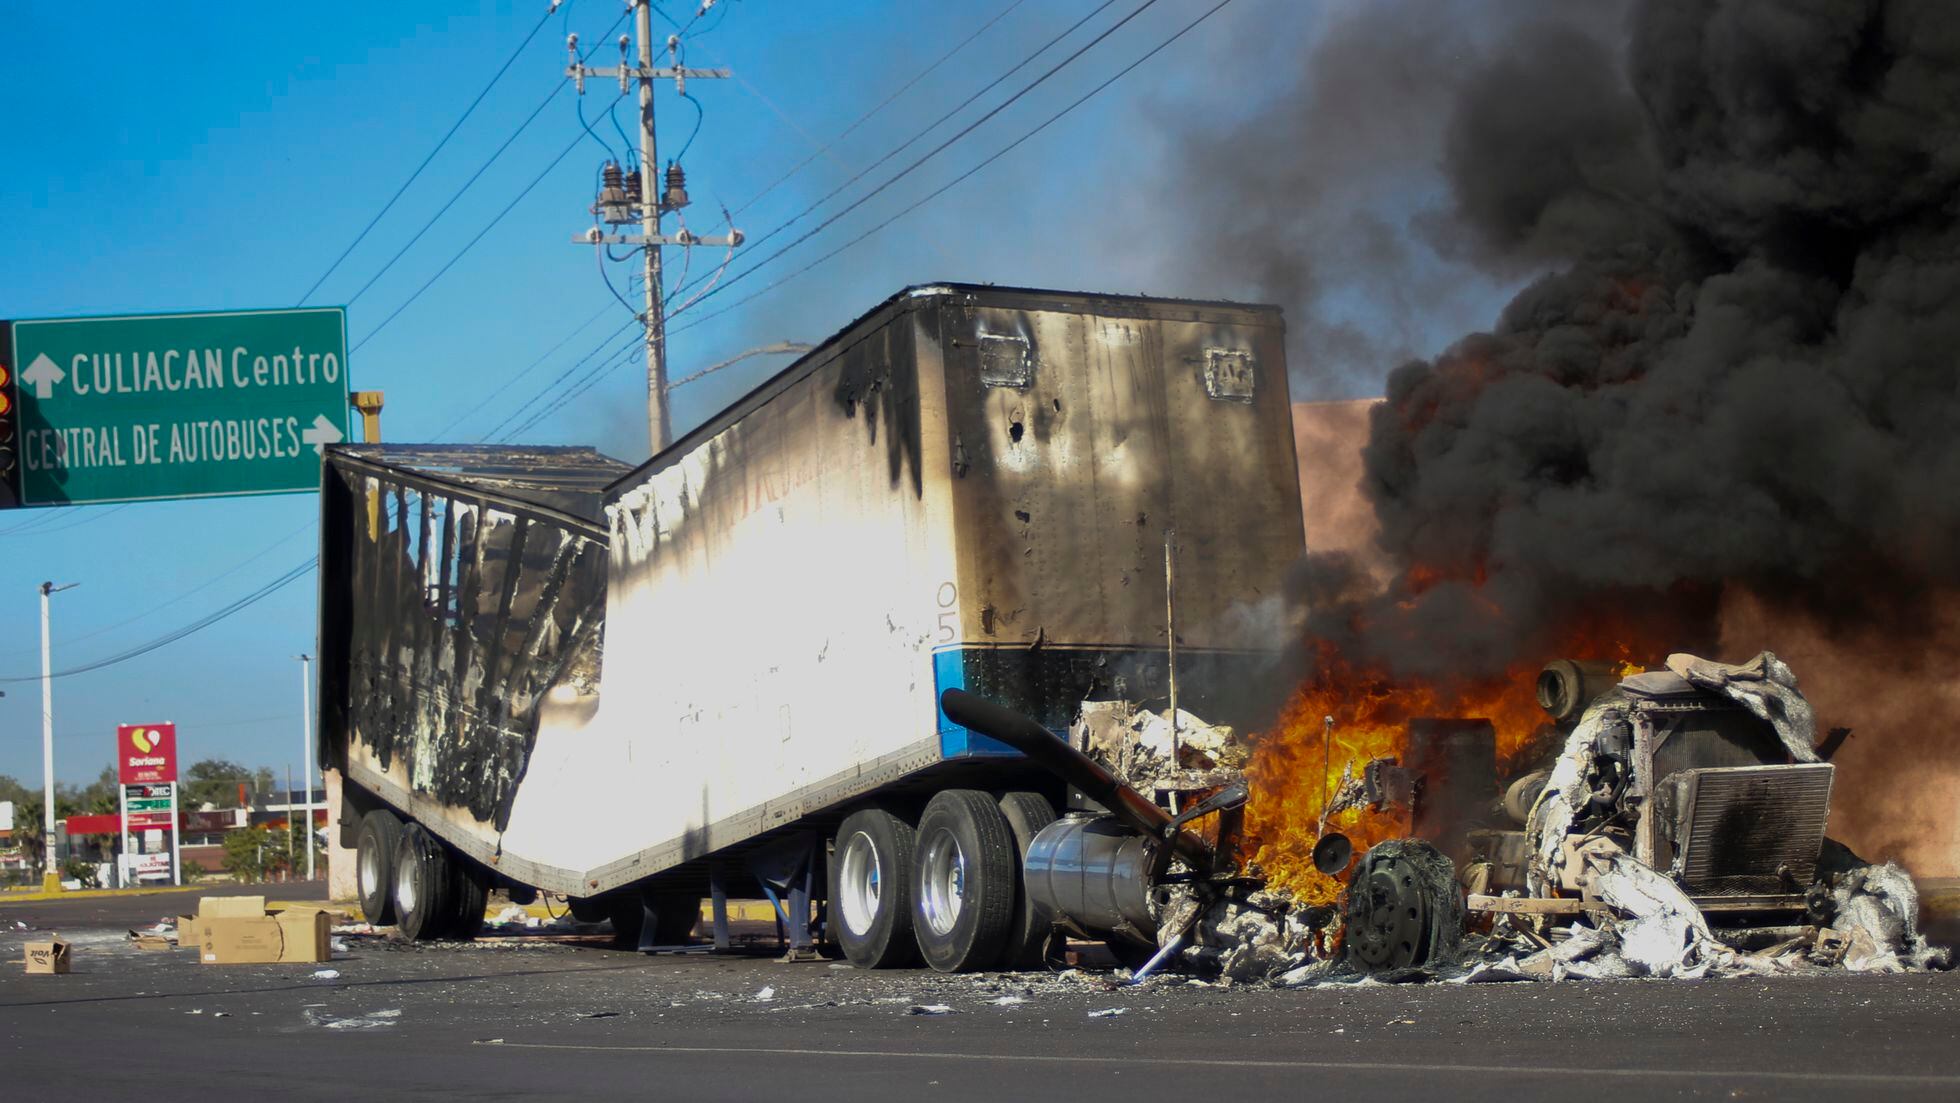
9, 413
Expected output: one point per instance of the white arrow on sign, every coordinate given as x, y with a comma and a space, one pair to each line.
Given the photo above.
323, 433
44, 374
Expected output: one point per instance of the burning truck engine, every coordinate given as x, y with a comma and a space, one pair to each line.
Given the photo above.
1666, 822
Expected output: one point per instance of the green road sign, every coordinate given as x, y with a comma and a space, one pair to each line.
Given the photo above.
177, 405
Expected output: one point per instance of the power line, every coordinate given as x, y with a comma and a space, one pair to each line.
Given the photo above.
458, 194
38, 526
522, 372
881, 105
617, 358
205, 585
604, 342
471, 244
190, 629
942, 189
457, 125
934, 125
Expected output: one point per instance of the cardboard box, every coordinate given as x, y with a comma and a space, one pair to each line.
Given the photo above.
293, 935
46, 956
190, 928
230, 907
150, 941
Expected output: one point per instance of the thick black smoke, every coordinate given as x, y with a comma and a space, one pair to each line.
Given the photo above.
1744, 366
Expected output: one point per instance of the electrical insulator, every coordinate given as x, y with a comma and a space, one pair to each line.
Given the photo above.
676, 196
633, 193
612, 207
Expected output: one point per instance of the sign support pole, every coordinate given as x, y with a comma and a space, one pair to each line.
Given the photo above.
306, 750
122, 832
50, 870
176, 837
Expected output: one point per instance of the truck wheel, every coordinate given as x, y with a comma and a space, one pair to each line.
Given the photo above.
1404, 907
470, 888
871, 889
962, 881
424, 886
374, 863
1029, 928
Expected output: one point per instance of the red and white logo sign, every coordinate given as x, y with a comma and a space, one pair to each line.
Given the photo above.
146, 753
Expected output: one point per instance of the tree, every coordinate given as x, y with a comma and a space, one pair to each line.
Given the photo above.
246, 851
215, 782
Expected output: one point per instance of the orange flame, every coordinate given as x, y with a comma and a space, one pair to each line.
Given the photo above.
1297, 765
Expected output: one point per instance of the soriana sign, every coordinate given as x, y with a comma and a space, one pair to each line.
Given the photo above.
146, 753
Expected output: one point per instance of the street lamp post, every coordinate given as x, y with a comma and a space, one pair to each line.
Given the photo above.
306, 749
50, 874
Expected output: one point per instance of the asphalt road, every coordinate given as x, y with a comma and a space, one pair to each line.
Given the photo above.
503, 1019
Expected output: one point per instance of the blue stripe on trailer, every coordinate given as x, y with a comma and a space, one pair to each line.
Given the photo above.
949, 672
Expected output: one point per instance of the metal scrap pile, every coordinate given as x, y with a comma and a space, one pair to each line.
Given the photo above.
1150, 752
1679, 832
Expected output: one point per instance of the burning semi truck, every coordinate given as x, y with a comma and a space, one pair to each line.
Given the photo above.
914, 639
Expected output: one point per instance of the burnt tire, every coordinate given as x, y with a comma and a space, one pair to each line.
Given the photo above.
424, 886
871, 890
374, 865
1028, 928
963, 881
470, 893
1404, 909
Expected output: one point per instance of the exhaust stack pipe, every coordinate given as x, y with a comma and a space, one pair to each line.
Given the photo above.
1132, 808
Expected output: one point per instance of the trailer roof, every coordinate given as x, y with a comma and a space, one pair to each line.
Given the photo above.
1023, 298
557, 477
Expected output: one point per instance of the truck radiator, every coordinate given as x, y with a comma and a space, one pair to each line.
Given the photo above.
1749, 830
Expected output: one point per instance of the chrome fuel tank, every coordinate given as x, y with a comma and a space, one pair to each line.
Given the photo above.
1096, 872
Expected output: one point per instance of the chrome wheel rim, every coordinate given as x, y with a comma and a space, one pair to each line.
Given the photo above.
370, 872
405, 889
942, 888
861, 883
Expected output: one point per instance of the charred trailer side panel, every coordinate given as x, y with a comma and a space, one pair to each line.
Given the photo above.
459, 586
968, 487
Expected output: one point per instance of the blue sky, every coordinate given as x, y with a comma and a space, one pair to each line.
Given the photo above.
221, 155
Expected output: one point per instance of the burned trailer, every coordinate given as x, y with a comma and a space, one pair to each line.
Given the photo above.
976, 488
460, 586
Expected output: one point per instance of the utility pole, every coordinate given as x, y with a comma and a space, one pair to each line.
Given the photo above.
50, 872
638, 197
306, 749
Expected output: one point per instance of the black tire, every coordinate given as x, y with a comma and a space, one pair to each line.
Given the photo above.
374, 864
470, 892
1029, 928
963, 881
871, 890
424, 886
